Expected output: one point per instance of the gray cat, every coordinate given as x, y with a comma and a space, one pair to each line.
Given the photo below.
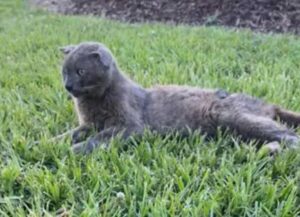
109, 103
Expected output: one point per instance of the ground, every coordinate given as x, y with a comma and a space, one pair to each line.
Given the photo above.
156, 176
259, 15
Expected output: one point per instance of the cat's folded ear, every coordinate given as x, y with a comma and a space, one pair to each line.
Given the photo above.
67, 49
103, 56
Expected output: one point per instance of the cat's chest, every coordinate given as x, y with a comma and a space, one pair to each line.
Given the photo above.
90, 112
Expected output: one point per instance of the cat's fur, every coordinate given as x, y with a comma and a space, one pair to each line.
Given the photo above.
107, 101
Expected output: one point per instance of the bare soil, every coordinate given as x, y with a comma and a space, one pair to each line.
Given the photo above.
261, 15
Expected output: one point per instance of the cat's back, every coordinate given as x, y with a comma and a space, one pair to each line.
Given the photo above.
180, 106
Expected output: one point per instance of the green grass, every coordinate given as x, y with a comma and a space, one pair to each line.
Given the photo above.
158, 176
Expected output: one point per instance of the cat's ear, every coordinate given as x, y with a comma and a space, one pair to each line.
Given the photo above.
103, 56
67, 49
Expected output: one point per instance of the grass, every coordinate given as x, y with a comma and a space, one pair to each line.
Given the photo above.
158, 176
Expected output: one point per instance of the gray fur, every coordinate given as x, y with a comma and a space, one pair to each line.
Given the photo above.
67, 49
107, 101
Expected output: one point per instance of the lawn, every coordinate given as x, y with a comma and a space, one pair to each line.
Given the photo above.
156, 176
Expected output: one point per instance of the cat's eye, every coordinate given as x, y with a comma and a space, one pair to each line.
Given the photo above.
80, 72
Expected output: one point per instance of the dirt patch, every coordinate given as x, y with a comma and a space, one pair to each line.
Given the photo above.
260, 15
56, 6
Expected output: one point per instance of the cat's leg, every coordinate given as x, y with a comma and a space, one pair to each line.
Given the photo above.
291, 118
264, 129
103, 138
78, 134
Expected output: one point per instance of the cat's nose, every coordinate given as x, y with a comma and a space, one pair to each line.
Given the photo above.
69, 87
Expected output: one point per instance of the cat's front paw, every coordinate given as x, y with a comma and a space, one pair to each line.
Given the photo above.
79, 148
88, 146
93, 143
80, 134
76, 136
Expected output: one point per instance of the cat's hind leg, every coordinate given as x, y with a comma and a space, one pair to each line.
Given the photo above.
263, 129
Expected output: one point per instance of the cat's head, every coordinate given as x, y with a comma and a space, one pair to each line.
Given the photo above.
87, 69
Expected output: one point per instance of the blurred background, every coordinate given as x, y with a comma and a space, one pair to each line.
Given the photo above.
260, 15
